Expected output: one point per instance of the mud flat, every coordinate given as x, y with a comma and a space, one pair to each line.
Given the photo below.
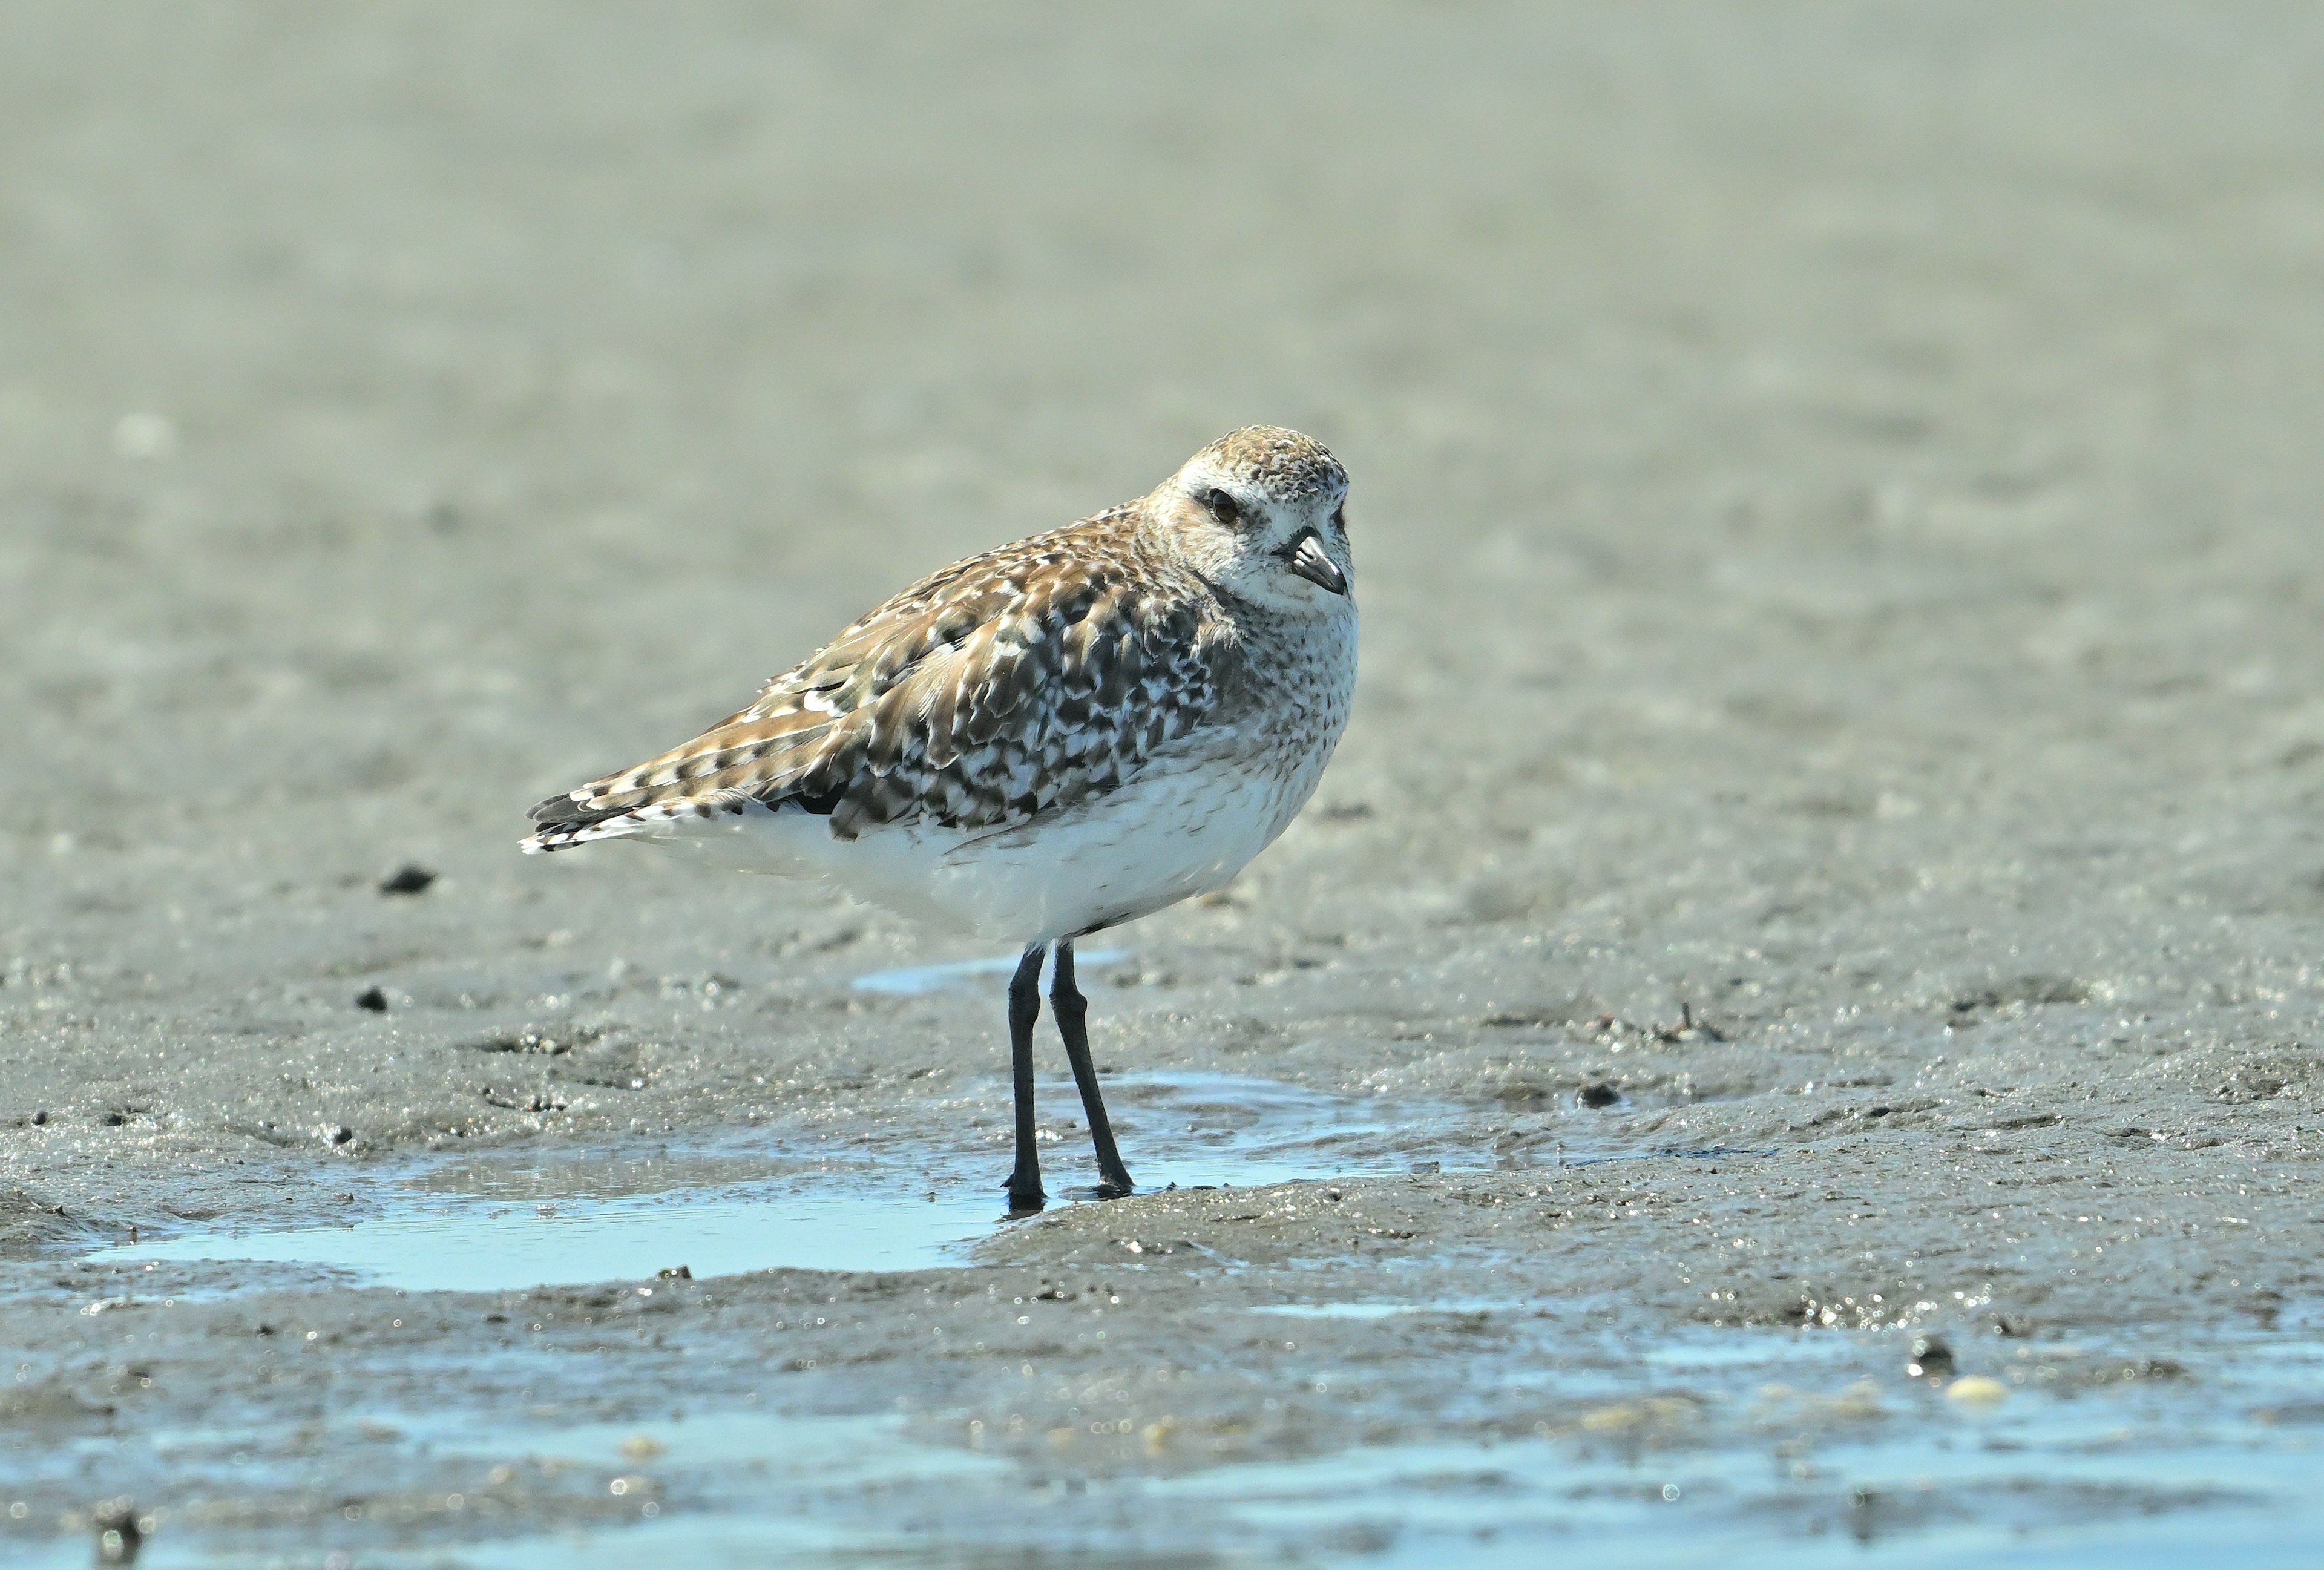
1824, 881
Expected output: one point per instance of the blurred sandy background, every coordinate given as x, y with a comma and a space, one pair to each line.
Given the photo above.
1835, 483
1835, 505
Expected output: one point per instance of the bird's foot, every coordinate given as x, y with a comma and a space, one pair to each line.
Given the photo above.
1025, 1198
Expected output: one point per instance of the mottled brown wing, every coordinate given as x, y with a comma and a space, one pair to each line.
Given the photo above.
980, 696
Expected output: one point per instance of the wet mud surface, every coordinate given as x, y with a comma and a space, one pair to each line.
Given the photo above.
1825, 879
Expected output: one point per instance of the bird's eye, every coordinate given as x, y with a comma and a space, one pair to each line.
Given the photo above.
1222, 507
1340, 518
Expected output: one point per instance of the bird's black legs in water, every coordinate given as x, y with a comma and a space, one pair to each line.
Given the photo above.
1072, 1012
1025, 1008
1073, 1015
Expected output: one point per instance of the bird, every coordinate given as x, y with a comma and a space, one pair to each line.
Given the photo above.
1045, 740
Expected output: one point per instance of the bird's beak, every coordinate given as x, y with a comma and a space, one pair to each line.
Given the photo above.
1308, 560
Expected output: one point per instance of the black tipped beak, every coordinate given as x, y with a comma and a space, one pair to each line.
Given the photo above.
1308, 560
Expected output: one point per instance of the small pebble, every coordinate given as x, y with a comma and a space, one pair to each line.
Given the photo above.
371, 998
1930, 1359
413, 879
1599, 1095
1977, 1390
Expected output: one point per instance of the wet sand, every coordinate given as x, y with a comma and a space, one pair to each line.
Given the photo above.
1828, 851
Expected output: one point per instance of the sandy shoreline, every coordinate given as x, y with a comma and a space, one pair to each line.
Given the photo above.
1835, 500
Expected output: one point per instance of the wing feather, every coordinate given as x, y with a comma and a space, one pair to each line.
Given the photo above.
1001, 687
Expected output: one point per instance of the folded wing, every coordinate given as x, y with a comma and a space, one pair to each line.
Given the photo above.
1002, 687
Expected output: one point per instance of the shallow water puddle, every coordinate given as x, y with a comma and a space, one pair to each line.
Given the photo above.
830, 1222
606, 1483
1751, 1448
498, 1221
1800, 1448
1522, 1502
1738, 1448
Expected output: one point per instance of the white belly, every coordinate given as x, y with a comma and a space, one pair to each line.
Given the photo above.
1165, 838
1185, 826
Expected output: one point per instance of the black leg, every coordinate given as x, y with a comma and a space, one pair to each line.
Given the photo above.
1072, 1014
1025, 1008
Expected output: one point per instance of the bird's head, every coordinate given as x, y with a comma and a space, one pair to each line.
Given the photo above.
1262, 513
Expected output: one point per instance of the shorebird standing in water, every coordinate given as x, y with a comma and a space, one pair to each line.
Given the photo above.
1046, 740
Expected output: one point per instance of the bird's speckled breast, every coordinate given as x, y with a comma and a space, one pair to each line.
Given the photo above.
1297, 687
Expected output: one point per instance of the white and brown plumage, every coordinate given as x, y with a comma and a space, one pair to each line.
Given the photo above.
1049, 739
